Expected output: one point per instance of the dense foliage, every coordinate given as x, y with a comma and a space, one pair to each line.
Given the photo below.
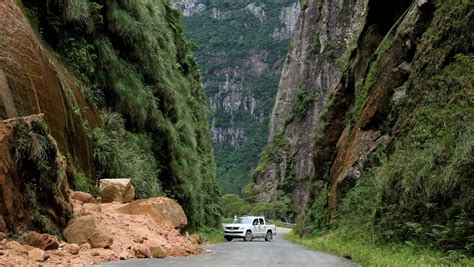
224, 44
132, 59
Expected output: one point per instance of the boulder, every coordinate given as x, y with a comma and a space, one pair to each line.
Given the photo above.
71, 249
15, 246
36, 254
157, 252
42, 241
161, 209
87, 229
82, 197
116, 190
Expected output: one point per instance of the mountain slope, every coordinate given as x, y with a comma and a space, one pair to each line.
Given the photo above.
241, 46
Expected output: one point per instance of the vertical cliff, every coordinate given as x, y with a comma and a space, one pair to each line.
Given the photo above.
241, 47
389, 147
324, 30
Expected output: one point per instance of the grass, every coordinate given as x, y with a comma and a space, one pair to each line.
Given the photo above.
212, 235
364, 252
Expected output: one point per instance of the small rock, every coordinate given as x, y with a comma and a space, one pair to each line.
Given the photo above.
71, 249
2, 236
142, 252
157, 252
36, 254
100, 240
95, 253
13, 245
42, 241
82, 197
123, 256
85, 247
119, 190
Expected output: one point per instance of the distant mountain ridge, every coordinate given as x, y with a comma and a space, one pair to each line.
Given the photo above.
241, 48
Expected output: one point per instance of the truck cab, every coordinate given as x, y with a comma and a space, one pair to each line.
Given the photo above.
248, 228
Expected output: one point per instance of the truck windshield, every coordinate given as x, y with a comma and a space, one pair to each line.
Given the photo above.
243, 220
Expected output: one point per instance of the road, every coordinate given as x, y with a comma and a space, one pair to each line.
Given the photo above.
259, 253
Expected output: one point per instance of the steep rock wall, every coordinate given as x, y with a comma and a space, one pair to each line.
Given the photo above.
391, 151
323, 31
33, 82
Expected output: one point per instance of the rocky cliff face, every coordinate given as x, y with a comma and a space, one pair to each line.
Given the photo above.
241, 50
369, 125
323, 31
33, 82
36, 166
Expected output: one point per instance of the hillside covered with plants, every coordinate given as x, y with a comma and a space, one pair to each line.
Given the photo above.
134, 64
372, 132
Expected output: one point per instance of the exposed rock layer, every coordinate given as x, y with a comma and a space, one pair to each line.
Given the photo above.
33, 82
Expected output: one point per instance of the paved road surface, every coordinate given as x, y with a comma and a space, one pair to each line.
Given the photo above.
259, 253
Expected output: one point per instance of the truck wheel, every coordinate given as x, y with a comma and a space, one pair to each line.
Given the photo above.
228, 238
269, 236
248, 236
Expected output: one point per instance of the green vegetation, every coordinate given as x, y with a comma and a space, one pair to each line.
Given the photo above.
119, 153
280, 210
304, 4
302, 105
413, 201
223, 45
132, 59
35, 153
356, 245
212, 235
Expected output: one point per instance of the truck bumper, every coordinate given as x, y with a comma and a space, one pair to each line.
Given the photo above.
234, 234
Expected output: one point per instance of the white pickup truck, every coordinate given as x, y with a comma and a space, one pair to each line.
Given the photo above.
248, 228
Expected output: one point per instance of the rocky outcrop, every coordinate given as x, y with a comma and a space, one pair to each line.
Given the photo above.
32, 82
119, 190
257, 11
42, 241
34, 188
289, 18
188, 7
162, 210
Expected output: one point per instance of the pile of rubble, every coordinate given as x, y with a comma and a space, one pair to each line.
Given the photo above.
106, 228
